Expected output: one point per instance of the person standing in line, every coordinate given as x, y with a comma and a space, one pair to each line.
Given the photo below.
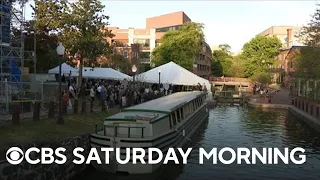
65, 101
92, 93
99, 91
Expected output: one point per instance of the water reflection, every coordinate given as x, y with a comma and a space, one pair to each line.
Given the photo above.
241, 127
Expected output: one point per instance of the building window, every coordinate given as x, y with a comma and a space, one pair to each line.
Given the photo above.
170, 28
141, 41
145, 54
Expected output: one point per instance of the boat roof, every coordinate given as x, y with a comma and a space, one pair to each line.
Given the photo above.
165, 104
134, 116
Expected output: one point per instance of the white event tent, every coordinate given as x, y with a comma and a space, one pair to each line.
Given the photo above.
103, 73
89, 72
172, 73
65, 69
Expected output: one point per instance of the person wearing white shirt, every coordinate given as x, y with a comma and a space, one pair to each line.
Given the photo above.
99, 91
71, 92
92, 94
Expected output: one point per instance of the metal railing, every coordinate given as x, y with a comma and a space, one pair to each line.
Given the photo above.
229, 79
225, 93
26, 94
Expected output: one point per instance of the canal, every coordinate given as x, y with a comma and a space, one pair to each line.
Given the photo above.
240, 127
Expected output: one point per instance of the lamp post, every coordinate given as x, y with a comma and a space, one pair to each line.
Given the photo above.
60, 52
159, 78
134, 70
70, 77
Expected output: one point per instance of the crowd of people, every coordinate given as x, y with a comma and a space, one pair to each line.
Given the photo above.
122, 94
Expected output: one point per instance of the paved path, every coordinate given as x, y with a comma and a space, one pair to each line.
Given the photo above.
281, 97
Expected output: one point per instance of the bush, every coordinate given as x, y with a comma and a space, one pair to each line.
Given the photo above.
263, 78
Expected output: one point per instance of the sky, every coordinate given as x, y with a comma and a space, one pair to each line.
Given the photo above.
225, 22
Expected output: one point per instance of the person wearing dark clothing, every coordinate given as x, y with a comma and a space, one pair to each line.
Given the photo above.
63, 79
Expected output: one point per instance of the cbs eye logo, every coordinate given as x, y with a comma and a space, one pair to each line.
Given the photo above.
14, 155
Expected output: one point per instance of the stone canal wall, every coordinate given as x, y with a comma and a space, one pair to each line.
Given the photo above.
25, 171
305, 111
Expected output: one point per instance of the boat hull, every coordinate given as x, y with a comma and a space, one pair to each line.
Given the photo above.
172, 139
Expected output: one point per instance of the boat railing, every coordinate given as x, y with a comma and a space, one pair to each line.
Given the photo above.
121, 131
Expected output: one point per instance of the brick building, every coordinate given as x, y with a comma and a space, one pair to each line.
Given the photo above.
290, 38
130, 52
149, 38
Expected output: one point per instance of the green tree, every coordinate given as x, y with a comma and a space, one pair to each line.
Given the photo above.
216, 68
306, 61
225, 48
45, 46
180, 46
238, 67
223, 60
310, 34
264, 78
306, 64
81, 27
118, 62
259, 53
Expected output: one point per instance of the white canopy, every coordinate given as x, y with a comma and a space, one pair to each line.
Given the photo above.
65, 69
103, 73
172, 73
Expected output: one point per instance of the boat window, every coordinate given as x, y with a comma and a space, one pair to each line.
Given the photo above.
174, 119
170, 122
192, 105
182, 115
186, 110
178, 115
197, 102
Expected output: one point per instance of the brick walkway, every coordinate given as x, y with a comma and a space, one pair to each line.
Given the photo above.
281, 97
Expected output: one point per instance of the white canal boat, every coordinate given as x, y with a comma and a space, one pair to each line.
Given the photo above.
166, 122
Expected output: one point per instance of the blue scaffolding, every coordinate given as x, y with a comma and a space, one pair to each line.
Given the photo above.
11, 53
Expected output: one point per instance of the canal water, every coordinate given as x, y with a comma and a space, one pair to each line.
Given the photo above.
239, 127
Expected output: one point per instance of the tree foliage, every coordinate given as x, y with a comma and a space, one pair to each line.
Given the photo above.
306, 64
310, 34
46, 56
238, 67
222, 61
225, 48
306, 60
263, 78
181, 46
118, 62
81, 27
216, 68
259, 53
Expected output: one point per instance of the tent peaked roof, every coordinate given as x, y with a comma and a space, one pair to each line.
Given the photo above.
104, 73
172, 73
65, 69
